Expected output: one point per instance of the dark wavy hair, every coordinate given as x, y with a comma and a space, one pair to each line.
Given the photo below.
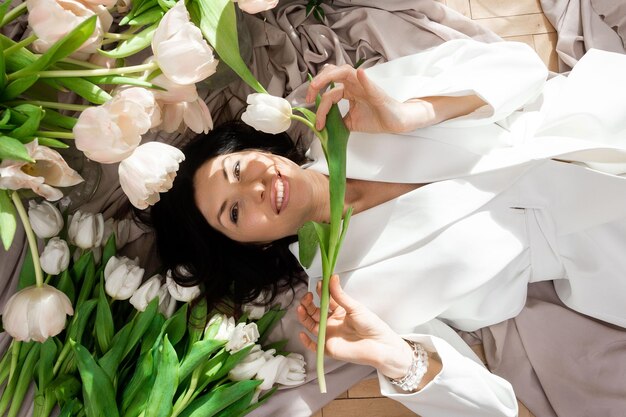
229, 271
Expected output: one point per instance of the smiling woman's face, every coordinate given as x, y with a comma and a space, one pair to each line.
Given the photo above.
254, 197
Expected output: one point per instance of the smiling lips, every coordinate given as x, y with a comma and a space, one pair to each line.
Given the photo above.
281, 193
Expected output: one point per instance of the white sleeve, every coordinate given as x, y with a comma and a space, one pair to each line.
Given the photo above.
464, 387
506, 75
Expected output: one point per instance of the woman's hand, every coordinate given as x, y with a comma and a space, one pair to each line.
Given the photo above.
355, 334
371, 109
374, 111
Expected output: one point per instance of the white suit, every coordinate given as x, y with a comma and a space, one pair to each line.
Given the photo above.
498, 211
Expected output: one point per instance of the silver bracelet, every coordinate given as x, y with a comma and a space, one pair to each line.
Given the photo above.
417, 370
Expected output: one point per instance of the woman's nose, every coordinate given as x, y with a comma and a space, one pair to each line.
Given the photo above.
257, 190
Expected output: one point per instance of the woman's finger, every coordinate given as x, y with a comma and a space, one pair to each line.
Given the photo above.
341, 298
307, 321
307, 342
309, 307
329, 98
328, 74
369, 87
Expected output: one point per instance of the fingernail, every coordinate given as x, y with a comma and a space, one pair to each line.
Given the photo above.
318, 125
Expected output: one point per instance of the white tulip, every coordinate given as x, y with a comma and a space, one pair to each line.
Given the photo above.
122, 277
150, 170
270, 371
119, 228
36, 313
243, 335
180, 293
111, 132
293, 372
167, 303
249, 366
55, 256
148, 291
45, 219
267, 113
256, 6
86, 229
181, 51
226, 326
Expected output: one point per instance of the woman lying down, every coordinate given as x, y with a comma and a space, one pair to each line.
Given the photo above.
470, 176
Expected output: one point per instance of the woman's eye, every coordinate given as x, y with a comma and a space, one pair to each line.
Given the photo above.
236, 170
234, 213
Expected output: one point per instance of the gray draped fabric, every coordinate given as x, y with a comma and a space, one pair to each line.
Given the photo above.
558, 361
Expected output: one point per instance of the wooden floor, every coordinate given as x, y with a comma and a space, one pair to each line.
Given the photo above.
515, 20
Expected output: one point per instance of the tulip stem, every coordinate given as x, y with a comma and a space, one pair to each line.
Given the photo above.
17, 11
319, 134
183, 401
32, 240
21, 44
53, 134
64, 352
93, 72
80, 63
122, 36
50, 105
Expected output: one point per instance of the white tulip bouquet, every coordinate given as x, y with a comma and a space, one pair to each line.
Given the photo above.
164, 357
71, 52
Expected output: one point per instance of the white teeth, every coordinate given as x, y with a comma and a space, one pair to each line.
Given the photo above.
280, 190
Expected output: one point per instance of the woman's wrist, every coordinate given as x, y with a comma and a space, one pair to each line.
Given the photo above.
395, 359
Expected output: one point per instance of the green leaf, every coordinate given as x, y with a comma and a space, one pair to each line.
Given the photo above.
237, 408
26, 374
55, 119
149, 16
231, 361
80, 320
80, 267
17, 87
31, 115
199, 353
176, 326
217, 21
8, 220
89, 281
137, 390
52, 143
162, 394
65, 387
220, 398
115, 355
61, 48
46, 363
141, 324
308, 244
119, 79
66, 285
130, 47
104, 321
98, 390
86, 89
109, 250
27, 274
6, 116
153, 333
70, 408
279, 346
197, 321
266, 329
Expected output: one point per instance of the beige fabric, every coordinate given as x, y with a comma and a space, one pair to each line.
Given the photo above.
586, 24
282, 46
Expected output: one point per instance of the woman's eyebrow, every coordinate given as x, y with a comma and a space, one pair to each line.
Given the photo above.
223, 206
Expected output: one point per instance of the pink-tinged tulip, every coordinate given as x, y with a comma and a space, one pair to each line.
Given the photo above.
55, 256
45, 219
256, 6
36, 313
49, 170
267, 113
50, 20
180, 49
181, 106
150, 170
122, 277
111, 132
105, 3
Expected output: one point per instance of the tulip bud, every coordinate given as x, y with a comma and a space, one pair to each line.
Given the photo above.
45, 219
293, 373
122, 277
243, 335
267, 113
256, 6
119, 228
225, 329
249, 366
167, 303
36, 313
150, 170
148, 291
85, 229
55, 256
180, 293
